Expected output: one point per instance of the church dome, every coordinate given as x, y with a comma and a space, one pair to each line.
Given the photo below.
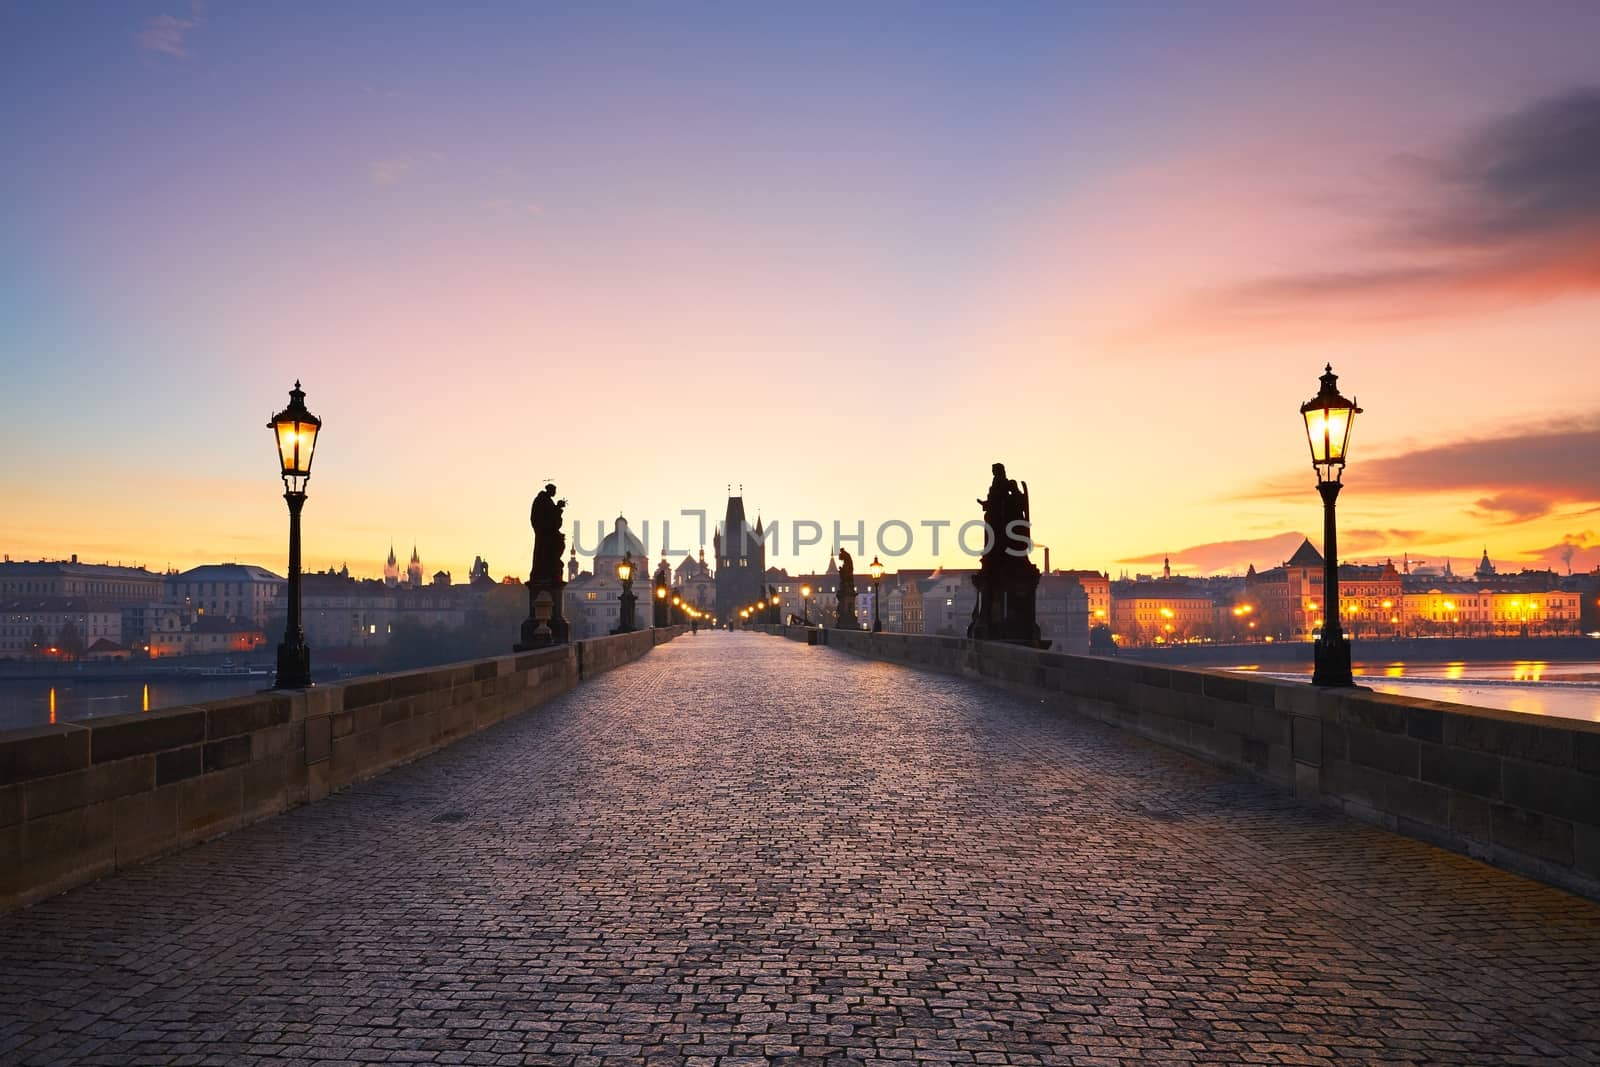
619, 542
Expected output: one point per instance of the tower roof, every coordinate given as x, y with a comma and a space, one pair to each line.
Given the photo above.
1305, 556
620, 541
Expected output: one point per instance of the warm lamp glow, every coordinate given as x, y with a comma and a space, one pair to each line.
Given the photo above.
1329, 419
661, 592
805, 591
295, 429
625, 569
875, 568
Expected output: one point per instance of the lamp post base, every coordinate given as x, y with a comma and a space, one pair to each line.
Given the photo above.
294, 667
1331, 659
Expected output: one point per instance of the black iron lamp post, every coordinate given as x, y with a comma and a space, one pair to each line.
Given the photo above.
295, 430
1329, 417
805, 605
876, 570
660, 615
625, 576
774, 612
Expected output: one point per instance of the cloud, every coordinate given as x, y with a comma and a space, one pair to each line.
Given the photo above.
1526, 473
1219, 557
1351, 541
1523, 475
166, 34
1508, 214
1512, 507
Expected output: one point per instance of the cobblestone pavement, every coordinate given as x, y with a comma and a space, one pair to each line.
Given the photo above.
740, 848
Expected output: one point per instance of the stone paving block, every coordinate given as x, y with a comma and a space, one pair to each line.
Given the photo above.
743, 849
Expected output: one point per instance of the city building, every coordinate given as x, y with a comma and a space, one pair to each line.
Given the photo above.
593, 599
1159, 611
741, 556
56, 627
230, 590
1062, 608
205, 635
69, 579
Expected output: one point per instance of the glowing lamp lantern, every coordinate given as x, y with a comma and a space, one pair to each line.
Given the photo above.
661, 592
625, 571
1329, 419
875, 568
296, 431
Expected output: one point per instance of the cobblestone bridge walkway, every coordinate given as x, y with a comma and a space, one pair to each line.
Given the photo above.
742, 848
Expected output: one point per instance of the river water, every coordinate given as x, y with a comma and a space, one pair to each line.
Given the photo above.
1565, 690
33, 702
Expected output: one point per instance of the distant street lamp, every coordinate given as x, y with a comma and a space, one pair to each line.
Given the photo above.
1329, 418
805, 605
295, 430
625, 575
774, 615
875, 568
659, 616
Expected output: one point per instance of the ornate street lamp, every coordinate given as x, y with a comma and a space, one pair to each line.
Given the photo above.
295, 430
875, 568
805, 605
625, 576
1329, 418
659, 617
774, 614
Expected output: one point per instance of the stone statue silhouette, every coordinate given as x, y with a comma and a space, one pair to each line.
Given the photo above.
845, 608
549, 543
1007, 503
1007, 581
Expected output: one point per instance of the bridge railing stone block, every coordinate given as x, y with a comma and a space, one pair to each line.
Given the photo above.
79, 800
1520, 791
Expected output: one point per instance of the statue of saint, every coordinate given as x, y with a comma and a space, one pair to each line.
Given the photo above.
549, 543
847, 572
1007, 503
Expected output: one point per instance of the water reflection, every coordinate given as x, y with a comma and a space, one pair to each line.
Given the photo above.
25, 702
1566, 690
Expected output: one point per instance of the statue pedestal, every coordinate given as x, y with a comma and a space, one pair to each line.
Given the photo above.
1006, 608
544, 625
845, 617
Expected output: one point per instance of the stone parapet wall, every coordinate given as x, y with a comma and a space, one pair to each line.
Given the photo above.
80, 800
1519, 791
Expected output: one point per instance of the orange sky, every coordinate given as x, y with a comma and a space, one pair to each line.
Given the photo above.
845, 266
